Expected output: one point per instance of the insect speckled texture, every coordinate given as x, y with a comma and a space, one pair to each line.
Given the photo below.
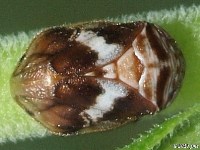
97, 76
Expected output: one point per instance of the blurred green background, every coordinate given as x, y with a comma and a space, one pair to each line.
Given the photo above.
24, 15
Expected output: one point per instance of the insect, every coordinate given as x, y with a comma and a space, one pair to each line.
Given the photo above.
97, 76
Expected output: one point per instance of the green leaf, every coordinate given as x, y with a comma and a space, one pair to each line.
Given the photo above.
179, 123
168, 129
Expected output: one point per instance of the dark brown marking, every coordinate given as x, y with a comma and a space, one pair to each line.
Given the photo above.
132, 106
122, 34
63, 118
80, 94
156, 42
161, 85
74, 59
51, 41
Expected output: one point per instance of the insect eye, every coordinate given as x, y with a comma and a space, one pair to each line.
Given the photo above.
97, 76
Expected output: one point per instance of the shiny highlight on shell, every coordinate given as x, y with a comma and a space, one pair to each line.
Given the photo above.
97, 76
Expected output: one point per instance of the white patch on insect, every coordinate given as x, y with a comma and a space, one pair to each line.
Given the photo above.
150, 75
106, 52
89, 74
110, 71
106, 100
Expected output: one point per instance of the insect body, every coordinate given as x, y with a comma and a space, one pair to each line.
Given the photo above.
97, 76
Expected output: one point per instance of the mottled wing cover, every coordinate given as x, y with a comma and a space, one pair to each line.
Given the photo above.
97, 76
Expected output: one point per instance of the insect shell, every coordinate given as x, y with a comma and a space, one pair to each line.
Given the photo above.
97, 76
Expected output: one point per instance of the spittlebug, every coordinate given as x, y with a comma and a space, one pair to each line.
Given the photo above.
96, 76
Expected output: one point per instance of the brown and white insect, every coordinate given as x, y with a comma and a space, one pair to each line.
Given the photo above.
96, 76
